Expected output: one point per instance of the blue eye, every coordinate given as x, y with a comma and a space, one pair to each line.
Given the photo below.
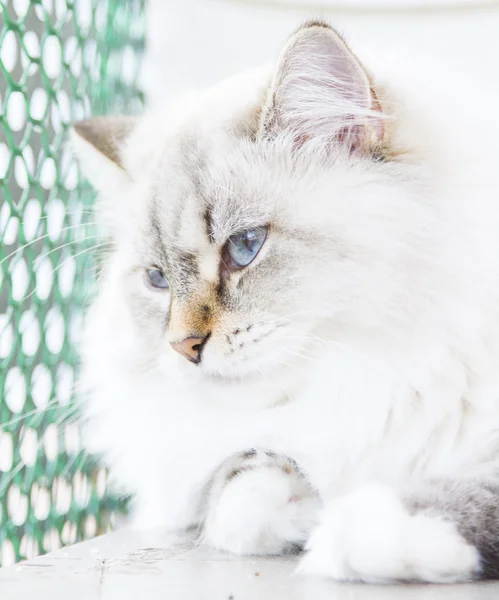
157, 279
243, 247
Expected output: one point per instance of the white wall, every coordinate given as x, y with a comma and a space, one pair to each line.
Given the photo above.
196, 42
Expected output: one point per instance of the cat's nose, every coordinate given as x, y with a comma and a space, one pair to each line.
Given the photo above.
191, 347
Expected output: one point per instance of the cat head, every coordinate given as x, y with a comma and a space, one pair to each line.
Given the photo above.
255, 218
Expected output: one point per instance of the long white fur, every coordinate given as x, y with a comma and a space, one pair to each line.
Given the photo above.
370, 536
392, 361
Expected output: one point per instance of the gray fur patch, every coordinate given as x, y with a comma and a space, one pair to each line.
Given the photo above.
473, 506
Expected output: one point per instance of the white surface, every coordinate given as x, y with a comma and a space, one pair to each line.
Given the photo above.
144, 566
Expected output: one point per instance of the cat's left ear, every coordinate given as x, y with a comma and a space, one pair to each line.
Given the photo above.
98, 144
320, 92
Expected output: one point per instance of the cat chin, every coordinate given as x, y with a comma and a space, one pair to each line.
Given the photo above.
235, 388
234, 377
227, 373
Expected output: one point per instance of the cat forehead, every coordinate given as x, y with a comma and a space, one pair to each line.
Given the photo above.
206, 190
203, 194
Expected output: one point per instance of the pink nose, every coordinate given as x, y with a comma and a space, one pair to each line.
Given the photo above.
191, 347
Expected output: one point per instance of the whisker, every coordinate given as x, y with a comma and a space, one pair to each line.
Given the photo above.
300, 355
36, 411
332, 342
79, 456
59, 266
285, 317
38, 239
12, 474
82, 241
66, 214
6, 482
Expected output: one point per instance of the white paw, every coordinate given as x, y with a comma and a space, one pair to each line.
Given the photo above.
370, 536
261, 511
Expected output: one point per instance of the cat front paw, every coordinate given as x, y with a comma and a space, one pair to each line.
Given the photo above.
370, 536
260, 504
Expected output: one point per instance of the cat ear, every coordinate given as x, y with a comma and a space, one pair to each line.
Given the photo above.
98, 144
320, 92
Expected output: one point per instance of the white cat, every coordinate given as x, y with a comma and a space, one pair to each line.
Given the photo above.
296, 336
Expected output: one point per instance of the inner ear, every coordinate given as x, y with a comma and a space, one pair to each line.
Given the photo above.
321, 92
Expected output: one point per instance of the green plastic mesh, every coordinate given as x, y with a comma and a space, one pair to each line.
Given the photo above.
60, 60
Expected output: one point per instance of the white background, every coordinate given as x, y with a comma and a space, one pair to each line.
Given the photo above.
196, 42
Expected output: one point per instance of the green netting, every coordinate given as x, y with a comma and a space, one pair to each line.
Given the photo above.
60, 60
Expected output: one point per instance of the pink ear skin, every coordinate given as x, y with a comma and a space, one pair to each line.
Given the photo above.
321, 93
